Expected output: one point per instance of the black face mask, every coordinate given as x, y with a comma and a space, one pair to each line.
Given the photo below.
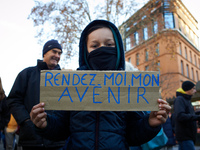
103, 58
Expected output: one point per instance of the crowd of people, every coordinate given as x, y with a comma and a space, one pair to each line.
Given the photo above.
28, 126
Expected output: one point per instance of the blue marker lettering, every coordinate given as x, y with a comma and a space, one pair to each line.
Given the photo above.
56, 79
125, 79
154, 78
110, 91
118, 84
144, 80
73, 80
82, 78
81, 98
94, 75
142, 95
64, 79
111, 77
49, 78
66, 89
133, 76
95, 94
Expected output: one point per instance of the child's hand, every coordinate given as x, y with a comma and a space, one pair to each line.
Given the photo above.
157, 118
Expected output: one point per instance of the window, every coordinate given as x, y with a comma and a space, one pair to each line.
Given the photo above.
179, 24
195, 60
158, 66
136, 37
180, 50
146, 68
168, 16
187, 68
155, 27
182, 69
157, 49
128, 43
169, 20
196, 40
199, 63
137, 59
166, 3
129, 59
197, 76
146, 55
184, 30
192, 36
127, 29
187, 30
190, 56
145, 33
192, 71
185, 53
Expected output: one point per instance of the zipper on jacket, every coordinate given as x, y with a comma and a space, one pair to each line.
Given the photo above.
97, 131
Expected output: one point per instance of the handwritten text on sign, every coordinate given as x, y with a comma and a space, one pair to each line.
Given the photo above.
99, 90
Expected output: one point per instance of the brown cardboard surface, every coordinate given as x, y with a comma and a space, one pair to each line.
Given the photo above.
99, 90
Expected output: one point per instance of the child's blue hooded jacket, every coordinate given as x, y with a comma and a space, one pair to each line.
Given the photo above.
105, 130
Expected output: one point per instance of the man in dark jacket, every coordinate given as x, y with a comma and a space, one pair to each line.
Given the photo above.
100, 48
25, 94
185, 117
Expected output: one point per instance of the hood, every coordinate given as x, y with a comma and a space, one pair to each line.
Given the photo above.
181, 92
83, 64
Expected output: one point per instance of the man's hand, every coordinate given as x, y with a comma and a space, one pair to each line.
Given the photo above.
157, 118
38, 115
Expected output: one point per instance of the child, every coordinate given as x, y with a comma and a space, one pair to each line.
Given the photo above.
100, 48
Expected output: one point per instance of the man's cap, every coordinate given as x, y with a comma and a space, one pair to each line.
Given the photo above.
50, 45
187, 85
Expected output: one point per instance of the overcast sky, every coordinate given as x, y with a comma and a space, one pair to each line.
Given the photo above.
19, 48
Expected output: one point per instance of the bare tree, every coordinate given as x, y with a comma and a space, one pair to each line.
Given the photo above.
65, 19
62, 20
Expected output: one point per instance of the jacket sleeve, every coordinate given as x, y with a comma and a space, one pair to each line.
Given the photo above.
138, 129
15, 99
57, 126
180, 111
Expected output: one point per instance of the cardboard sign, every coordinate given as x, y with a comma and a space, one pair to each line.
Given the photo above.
99, 90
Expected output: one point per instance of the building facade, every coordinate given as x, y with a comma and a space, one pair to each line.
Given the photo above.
162, 36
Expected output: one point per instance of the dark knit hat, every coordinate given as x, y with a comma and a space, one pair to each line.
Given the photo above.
187, 85
50, 45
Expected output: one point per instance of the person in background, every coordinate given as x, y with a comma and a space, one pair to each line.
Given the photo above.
25, 94
10, 134
100, 48
168, 130
4, 113
185, 117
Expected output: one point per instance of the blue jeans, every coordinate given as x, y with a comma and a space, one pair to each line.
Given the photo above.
186, 145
